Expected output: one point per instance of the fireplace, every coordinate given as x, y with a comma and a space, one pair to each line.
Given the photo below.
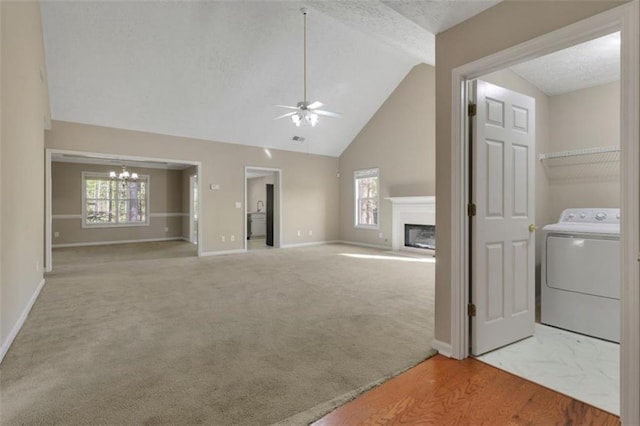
419, 213
420, 236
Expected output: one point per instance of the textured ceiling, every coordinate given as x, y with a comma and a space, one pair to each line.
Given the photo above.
584, 65
214, 69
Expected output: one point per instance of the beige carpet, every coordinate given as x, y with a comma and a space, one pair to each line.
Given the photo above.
150, 334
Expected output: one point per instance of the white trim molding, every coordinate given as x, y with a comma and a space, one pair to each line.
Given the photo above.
442, 347
222, 252
152, 215
355, 243
104, 243
626, 19
20, 322
66, 216
630, 226
309, 244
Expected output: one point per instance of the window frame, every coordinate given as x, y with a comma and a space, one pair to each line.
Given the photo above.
363, 174
105, 176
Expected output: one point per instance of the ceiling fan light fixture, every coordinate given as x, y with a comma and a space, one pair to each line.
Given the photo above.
305, 118
306, 113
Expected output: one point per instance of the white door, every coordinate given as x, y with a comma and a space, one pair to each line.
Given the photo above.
503, 246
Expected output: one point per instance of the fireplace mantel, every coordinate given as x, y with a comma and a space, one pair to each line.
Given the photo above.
420, 210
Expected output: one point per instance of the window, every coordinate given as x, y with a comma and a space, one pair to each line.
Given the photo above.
367, 198
108, 202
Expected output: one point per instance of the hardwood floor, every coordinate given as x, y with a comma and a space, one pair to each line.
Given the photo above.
444, 391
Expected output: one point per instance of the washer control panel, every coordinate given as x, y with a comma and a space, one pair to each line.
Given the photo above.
591, 215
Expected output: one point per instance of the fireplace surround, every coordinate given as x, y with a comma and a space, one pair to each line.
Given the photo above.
417, 211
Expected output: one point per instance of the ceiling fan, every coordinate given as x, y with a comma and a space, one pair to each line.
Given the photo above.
306, 113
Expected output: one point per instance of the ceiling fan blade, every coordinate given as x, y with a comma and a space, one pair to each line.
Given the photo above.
328, 113
314, 105
287, 106
289, 114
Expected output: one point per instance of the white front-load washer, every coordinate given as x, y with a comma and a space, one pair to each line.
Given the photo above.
581, 273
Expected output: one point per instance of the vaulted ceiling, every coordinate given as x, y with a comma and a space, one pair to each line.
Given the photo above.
215, 70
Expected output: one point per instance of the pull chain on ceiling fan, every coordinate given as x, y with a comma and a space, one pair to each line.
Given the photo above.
306, 113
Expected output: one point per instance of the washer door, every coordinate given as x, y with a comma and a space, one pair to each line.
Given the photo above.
584, 265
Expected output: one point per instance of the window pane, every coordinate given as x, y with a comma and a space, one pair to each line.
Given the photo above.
114, 202
367, 199
100, 211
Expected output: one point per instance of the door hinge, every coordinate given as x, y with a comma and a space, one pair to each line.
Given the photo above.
472, 109
471, 310
471, 209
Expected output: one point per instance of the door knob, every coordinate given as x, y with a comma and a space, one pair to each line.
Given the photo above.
532, 228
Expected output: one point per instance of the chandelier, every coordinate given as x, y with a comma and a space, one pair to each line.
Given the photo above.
124, 176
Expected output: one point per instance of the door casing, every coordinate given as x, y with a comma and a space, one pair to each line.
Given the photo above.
626, 19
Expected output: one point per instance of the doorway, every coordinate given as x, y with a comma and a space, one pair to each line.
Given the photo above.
625, 19
559, 318
262, 208
167, 225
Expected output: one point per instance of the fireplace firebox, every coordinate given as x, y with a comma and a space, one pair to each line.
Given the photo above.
420, 236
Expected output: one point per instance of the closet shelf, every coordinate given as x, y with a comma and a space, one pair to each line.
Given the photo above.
581, 152
582, 165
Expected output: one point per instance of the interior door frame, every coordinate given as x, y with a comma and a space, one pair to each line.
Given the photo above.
192, 179
626, 19
48, 213
277, 204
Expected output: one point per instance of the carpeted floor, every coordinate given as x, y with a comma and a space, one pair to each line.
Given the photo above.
150, 334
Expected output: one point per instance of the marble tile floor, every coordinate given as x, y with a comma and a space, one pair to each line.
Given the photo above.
582, 367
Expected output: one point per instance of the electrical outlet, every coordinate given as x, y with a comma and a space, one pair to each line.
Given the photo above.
233, 238
56, 234
299, 233
37, 266
223, 239
166, 229
310, 232
380, 235
238, 205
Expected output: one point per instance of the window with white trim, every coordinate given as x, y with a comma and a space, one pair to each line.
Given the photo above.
367, 200
110, 202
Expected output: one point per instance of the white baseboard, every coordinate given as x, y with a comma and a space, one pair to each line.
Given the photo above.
355, 243
102, 243
20, 322
222, 252
442, 347
313, 243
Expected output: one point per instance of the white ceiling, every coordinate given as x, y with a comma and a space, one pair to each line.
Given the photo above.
584, 65
215, 69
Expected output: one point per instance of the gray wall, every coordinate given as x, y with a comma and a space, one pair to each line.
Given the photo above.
500, 27
24, 111
165, 206
584, 119
400, 140
309, 189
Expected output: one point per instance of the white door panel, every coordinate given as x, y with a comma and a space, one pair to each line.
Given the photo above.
503, 254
